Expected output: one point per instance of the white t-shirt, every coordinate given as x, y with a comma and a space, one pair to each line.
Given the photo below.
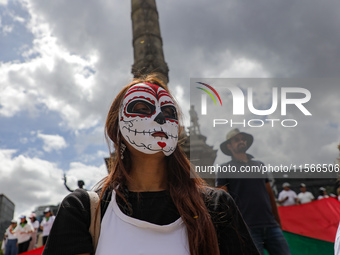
305, 197
47, 225
291, 197
122, 234
11, 236
23, 232
35, 226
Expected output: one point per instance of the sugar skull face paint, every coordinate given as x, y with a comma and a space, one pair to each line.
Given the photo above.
148, 119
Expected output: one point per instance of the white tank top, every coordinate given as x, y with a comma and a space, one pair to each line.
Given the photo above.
124, 235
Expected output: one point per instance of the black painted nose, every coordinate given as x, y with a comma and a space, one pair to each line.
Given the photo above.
160, 119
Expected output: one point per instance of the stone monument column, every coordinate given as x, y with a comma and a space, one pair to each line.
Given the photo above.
147, 40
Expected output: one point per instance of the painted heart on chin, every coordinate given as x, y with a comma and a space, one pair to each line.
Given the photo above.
161, 144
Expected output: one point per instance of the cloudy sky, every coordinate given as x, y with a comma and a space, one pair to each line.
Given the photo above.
63, 62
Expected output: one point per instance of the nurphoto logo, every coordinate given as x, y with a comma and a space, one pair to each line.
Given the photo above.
281, 97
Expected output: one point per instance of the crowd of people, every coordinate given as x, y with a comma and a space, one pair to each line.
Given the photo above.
21, 237
289, 197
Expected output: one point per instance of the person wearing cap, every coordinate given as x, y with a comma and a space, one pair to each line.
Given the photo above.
253, 196
322, 193
23, 232
12, 239
46, 224
305, 196
287, 196
35, 225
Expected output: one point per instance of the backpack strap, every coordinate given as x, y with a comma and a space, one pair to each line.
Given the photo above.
94, 228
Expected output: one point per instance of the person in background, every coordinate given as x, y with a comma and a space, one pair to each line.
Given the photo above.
305, 196
12, 239
253, 196
23, 233
46, 224
322, 193
35, 225
287, 196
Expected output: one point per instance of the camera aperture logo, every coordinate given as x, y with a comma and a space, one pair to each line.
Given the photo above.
294, 96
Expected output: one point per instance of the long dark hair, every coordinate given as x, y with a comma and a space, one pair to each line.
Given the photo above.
186, 192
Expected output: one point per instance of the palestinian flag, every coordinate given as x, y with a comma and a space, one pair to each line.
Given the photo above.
37, 251
311, 228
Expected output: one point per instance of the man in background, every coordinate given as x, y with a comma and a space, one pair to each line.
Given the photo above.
305, 196
254, 197
287, 196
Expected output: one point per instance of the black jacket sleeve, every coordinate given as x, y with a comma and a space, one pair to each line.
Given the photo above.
70, 231
232, 232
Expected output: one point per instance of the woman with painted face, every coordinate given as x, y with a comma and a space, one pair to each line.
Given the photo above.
149, 204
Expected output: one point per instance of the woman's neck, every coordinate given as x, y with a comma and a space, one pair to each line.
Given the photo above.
148, 173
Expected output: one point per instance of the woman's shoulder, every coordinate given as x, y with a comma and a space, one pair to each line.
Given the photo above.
74, 213
80, 199
77, 198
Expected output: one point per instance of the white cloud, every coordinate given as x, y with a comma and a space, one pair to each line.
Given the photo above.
23, 140
86, 138
89, 174
70, 69
52, 142
234, 66
98, 156
330, 149
52, 76
178, 93
31, 182
3, 2
7, 29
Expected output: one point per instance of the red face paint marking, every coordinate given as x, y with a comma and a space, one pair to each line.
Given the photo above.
153, 90
161, 144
